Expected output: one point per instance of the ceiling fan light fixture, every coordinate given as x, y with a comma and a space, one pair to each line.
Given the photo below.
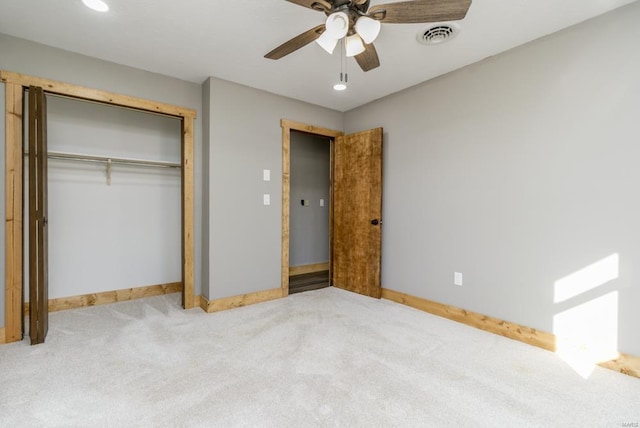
327, 42
368, 29
97, 5
354, 45
337, 25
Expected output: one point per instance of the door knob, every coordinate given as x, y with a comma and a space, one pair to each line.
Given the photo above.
375, 222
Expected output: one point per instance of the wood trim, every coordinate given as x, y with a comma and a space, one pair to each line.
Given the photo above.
627, 364
311, 268
13, 212
473, 319
187, 212
332, 175
201, 302
75, 91
2, 336
311, 129
242, 300
106, 297
286, 207
287, 127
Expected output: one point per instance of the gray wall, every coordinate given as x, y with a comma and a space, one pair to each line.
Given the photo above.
35, 59
310, 180
246, 138
518, 172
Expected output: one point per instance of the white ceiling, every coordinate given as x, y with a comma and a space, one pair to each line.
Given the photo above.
194, 39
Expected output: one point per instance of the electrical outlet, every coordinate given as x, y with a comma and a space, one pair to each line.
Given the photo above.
457, 278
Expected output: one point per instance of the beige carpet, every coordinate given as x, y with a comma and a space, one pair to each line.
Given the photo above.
321, 358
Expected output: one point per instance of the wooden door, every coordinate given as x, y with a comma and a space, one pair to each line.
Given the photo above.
357, 212
38, 242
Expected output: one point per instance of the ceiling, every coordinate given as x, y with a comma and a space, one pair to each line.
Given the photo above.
195, 39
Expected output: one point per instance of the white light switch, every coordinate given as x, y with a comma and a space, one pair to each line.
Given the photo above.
266, 175
322, 202
457, 278
266, 199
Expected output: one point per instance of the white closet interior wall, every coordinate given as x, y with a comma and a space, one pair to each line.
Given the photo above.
108, 237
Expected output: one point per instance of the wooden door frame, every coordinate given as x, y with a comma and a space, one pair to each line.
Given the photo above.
287, 127
14, 105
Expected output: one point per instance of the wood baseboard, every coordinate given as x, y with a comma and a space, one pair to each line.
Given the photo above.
627, 364
201, 302
302, 269
3, 338
225, 303
105, 297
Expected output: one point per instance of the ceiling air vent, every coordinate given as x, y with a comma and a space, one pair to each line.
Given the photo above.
438, 34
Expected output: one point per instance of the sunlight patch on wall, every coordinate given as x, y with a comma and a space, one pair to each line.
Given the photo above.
588, 278
587, 334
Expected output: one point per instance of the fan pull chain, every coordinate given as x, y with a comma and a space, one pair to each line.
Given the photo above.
343, 60
344, 77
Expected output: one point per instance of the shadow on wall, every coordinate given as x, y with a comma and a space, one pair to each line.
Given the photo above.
586, 328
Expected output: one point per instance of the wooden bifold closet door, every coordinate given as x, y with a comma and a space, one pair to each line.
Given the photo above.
38, 236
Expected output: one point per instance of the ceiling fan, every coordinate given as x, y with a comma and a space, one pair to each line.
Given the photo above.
359, 25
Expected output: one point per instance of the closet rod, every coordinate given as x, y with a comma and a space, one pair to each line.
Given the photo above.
107, 159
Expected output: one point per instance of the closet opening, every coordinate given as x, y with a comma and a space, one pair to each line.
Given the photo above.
114, 189
310, 194
115, 170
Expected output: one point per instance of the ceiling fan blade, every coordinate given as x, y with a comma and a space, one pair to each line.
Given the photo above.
319, 5
410, 12
296, 43
368, 60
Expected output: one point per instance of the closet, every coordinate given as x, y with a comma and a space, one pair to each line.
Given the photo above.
118, 191
113, 199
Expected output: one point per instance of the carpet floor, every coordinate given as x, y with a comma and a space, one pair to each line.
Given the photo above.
322, 358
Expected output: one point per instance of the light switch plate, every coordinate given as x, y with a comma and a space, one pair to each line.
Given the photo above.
457, 278
266, 199
322, 202
266, 174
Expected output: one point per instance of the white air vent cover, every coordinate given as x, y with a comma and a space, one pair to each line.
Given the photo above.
437, 34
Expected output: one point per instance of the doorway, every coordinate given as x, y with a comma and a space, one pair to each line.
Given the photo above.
310, 191
355, 207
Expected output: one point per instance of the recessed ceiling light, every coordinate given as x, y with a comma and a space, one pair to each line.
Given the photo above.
97, 5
